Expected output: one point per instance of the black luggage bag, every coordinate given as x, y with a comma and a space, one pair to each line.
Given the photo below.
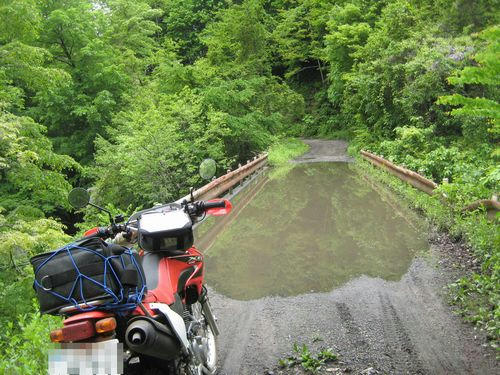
88, 270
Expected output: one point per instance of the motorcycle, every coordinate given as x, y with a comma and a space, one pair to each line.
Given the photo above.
154, 316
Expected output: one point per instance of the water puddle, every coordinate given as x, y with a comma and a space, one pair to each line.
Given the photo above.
311, 227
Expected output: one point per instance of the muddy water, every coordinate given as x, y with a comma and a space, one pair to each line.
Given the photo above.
311, 227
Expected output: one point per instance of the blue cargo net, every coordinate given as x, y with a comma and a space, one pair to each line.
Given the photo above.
122, 300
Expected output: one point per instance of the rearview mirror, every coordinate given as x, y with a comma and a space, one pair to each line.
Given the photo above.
78, 198
208, 168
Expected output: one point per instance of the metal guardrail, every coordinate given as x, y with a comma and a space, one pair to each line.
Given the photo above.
218, 186
413, 178
424, 184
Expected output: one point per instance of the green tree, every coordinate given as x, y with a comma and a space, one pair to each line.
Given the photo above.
106, 49
486, 73
23, 65
236, 42
184, 21
32, 174
300, 36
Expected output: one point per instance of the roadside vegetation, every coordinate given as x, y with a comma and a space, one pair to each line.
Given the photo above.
128, 97
285, 150
309, 361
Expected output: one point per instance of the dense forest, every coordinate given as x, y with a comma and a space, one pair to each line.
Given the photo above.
128, 96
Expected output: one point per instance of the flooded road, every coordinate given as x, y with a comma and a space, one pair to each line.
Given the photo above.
310, 228
321, 255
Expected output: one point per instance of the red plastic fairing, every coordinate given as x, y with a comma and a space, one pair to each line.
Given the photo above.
196, 278
164, 291
220, 211
91, 232
169, 269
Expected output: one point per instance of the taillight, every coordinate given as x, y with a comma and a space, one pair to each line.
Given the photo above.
56, 335
105, 325
74, 332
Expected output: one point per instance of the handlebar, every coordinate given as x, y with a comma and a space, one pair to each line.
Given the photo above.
208, 205
198, 208
111, 231
127, 231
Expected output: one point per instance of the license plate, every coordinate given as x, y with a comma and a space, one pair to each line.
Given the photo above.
100, 358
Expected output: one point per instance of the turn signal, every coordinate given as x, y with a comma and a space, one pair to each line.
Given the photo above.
105, 325
57, 335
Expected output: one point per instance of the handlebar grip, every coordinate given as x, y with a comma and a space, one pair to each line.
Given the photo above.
103, 232
208, 205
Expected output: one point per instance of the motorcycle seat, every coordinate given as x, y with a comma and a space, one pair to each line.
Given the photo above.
150, 262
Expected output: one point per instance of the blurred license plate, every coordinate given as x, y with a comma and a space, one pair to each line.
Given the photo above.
100, 358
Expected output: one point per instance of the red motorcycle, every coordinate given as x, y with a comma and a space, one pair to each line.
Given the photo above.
133, 312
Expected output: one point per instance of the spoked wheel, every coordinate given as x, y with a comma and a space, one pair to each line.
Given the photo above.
205, 343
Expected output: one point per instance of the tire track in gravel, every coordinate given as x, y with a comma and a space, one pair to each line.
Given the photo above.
402, 336
237, 344
350, 325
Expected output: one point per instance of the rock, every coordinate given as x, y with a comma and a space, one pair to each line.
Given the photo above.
333, 369
369, 371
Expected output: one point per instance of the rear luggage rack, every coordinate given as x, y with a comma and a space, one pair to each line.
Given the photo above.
82, 306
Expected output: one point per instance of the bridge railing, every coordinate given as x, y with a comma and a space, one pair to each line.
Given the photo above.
424, 184
416, 180
216, 187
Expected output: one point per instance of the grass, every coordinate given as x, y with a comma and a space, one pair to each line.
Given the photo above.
284, 150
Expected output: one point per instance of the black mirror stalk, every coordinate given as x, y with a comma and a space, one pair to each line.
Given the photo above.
105, 210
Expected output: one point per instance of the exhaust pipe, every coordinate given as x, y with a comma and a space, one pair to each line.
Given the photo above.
147, 336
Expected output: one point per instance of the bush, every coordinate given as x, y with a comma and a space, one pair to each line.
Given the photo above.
25, 349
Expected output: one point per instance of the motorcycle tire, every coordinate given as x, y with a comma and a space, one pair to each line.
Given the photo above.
211, 353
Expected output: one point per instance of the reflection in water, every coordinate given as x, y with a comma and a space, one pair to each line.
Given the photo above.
313, 228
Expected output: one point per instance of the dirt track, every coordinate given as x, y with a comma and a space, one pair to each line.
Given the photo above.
324, 151
403, 327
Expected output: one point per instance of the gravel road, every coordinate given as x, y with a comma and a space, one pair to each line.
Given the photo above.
324, 151
375, 326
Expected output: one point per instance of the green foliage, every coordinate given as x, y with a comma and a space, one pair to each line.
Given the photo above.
226, 106
236, 42
105, 50
299, 35
31, 173
22, 64
159, 145
282, 151
308, 360
141, 92
486, 73
24, 351
183, 22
